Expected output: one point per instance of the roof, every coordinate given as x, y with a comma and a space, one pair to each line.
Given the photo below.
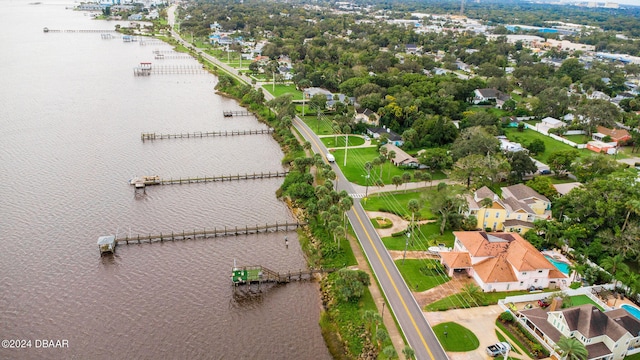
563, 189
392, 135
552, 121
489, 93
591, 322
456, 259
516, 205
539, 317
614, 133
504, 253
522, 192
401, 156
484, 192
515, 222
105, 240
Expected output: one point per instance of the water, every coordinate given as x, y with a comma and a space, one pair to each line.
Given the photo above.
560, 265
71, 118
632, 310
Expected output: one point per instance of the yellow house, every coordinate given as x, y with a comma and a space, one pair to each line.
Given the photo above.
514, 212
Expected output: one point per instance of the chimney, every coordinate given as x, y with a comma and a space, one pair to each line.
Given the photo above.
556, 304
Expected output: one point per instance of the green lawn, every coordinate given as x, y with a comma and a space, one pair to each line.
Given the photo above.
355, 172
331, 142
420, 274
457, 338
319, 126
281, 89
525, 137
578, 139
462, 301
397, 203
427, 235
583, 299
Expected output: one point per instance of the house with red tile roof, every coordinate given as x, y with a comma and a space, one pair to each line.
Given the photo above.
609, 335
616, 135
500, 262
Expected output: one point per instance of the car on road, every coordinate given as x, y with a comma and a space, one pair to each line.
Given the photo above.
545, 172
500, 348
331, 158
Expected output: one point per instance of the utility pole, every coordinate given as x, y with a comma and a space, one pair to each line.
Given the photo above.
346, 144
406, 244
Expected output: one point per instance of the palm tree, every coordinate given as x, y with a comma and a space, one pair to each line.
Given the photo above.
397, 181
406, 178
390, 352
414, 207
486, 203
408, 352
614, 263
633, 206
571, 349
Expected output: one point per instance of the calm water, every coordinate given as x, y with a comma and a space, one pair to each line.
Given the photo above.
71, 117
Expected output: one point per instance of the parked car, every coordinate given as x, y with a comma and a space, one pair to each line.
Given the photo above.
543, 303
500, 348
545, 172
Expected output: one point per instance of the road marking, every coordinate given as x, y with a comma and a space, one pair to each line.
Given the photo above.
395, 287
357, 196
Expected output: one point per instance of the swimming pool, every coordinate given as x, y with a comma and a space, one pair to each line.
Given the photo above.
560, 265
632, 310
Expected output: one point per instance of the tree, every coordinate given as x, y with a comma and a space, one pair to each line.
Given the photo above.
590, 167
283, 106
436, 159
408, 352
597, 112
613, 264
396, 180
572, 68
536, 146
448, 204
474, 140
390, 352
351, 284
553, 101
469, 169
560, 161
406, 178
521, 164
413, 206
474, 292
543, 186
633, 206
571, 349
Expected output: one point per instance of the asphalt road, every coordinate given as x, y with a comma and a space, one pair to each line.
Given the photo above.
412, 322
415, 327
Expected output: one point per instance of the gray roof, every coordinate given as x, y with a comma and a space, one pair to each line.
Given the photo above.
484, 192
516, 222
521, 192
592, 322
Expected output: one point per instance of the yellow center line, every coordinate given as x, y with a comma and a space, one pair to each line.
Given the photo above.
395, 287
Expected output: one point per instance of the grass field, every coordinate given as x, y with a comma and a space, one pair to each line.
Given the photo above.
462, 301
583, 299
427, 235
397, 203
578, 139
331, 142
281, 89
319, 126
457, 338
525, 137
421, 275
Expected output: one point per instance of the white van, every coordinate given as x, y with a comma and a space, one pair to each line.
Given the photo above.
331, 158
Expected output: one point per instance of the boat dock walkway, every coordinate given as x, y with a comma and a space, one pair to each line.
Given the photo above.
168, 69
236, 113
209, 233
259, 274
200, 134
47, 30
155, 180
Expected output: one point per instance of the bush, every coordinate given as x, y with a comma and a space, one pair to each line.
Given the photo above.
575, 285
506, 316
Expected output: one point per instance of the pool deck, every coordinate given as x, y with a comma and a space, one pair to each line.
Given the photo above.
556, 255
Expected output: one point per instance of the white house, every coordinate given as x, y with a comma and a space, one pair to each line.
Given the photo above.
500, 262
608, 335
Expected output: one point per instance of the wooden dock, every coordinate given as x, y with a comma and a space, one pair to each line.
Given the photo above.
248, 275
199, 134
209, 233
169, 70
47, 30
236, 113
205, 179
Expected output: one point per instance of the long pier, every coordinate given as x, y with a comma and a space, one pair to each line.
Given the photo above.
205, 179
168, 70
47, 30
200, 134
247, 275
236, 113
209, 233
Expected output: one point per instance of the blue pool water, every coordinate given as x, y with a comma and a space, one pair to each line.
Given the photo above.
562, 266
632, 310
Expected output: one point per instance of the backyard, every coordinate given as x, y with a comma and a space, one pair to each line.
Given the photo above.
551, 146
421, 274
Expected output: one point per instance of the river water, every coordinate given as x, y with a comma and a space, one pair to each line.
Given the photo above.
71, 117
